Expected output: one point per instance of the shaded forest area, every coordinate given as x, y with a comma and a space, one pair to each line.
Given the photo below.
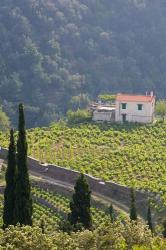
46, 46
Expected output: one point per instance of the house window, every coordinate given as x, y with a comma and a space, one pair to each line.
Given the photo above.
124, 105
140, 107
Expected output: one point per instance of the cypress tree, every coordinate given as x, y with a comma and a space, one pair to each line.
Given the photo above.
80, 204
164, 228
9, 193
112, 214
23, 202
133, 210
149, 219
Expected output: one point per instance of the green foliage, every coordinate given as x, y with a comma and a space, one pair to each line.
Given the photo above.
133, 210
79, 116
80, 204
107, 98
23, 238
131, 155
79, 102
42, 225
4, 120
23, 201
161, 108
2, 173
60, 207
9, 193
40, 211
107, 235
115, 236
53, 209
48, 46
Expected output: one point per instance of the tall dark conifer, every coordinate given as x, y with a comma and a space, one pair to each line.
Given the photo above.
164, 228
80, 204
133, 210
112, 213
9, 194
149, 219
23, 202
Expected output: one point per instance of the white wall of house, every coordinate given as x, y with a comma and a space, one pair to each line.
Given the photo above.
133, 114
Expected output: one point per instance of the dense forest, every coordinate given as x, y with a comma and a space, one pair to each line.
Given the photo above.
51, 51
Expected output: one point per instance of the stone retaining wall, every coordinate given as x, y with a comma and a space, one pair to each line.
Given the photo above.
117, 192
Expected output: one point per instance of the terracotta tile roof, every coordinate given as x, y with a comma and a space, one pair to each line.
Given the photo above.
134, 98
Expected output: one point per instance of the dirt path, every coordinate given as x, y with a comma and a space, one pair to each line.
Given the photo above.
96, 196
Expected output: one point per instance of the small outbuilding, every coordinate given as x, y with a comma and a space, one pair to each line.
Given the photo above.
104, 113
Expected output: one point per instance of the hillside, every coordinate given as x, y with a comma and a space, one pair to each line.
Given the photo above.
53, 208
47, 45
131, 155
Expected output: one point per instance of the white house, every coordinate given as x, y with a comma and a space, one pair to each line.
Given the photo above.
104, 113
135, 108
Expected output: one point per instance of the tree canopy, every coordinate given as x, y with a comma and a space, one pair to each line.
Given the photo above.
161, 108
80, 204
53, 50
4, 120
111, 236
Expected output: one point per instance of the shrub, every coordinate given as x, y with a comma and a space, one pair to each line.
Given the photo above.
79, 116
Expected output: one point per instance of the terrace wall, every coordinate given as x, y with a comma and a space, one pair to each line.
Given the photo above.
118, 193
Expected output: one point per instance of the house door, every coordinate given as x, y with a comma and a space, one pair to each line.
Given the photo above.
124, 117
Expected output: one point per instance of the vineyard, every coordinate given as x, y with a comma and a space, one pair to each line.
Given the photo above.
53, 208
132, 155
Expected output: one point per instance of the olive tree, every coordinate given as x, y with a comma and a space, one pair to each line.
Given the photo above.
161, 108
